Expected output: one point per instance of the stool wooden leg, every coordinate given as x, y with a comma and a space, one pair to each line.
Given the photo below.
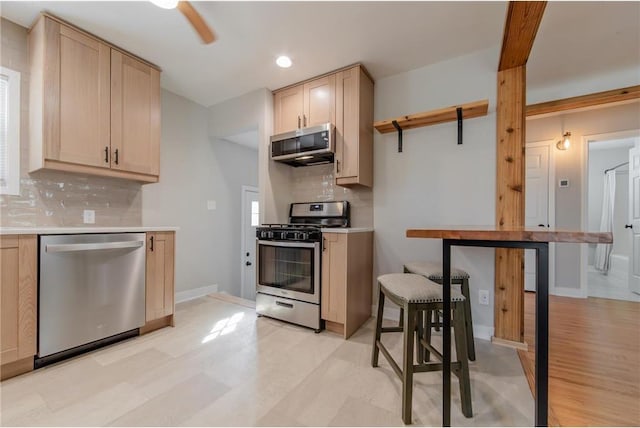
471, 346
401, 317
419, 333
428, 316
459, 324
436, 319
376, 336
407, 366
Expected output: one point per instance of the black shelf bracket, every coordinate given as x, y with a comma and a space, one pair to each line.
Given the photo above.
459, 114
399, 129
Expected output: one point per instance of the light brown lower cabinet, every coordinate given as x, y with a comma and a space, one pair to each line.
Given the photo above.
160, 273
18, 303
347, 265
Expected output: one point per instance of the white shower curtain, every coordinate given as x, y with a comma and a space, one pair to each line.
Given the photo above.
603, 251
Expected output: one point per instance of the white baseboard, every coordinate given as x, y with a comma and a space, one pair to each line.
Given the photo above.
568, 292
194, 293
483, 332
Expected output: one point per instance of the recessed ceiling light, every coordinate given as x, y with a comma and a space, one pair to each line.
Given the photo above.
284, 61
165, 4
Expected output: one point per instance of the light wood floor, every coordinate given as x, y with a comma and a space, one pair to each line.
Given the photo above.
594, 360
223, 366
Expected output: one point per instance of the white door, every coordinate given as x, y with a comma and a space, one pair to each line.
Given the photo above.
536, 203
250, 220
634, 218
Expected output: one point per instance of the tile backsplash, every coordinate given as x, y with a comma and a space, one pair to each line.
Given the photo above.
317, 183
59, 199
50, 198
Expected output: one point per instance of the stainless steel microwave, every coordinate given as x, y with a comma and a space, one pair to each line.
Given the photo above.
307, 146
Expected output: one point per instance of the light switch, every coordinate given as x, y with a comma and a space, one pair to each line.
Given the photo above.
563, 182
89, 216
211, 205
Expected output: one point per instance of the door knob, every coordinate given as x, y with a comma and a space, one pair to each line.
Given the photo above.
247, 254
628, 226
248, 263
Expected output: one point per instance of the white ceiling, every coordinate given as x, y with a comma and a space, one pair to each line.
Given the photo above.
575, 38
623, 143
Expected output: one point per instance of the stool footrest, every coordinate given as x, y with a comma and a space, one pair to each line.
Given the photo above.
391, 330
435, 367
389, 358
431, 349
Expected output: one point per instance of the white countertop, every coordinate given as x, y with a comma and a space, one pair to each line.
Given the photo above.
346, 229
49, 230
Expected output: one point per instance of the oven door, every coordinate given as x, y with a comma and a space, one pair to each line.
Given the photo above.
289, 269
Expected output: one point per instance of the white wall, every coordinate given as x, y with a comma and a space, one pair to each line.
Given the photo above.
254, 110
570, 164
599, 161
193, 169
435, 181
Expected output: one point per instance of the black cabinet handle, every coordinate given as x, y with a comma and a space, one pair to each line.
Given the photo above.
324, 244
298, 121
248, 263
628, 226
106, 154
116, 160
151, 246
304, 120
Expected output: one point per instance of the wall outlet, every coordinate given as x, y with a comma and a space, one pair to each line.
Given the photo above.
211, 205
89, 216
483, 297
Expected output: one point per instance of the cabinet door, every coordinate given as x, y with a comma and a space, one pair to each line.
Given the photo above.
18, 296
354, 128
347, 123
79, 130
288, 109
135, 115
320, 101
160, 275
334, 277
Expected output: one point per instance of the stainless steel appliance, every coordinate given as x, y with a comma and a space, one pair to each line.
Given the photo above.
307, 146
289, 262
92, 287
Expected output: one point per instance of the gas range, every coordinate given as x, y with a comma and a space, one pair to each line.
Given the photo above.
289, 262
306, 221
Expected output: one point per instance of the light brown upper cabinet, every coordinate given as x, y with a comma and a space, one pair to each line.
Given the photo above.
92, 109
288, 109
308, 104
354, 128
135, 115
345, 99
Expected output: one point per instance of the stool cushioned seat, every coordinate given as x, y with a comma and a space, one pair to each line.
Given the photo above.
433, 270
415, 288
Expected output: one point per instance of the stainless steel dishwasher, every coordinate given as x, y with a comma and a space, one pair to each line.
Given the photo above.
92, 288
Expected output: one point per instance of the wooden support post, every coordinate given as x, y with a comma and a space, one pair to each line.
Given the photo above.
510, 163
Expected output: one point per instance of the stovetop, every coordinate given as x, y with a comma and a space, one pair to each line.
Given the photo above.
306, 220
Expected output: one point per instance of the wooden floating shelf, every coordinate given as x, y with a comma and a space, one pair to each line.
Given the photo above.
433, 117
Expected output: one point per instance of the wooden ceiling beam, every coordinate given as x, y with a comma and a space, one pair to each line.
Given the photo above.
521, 26
582, 101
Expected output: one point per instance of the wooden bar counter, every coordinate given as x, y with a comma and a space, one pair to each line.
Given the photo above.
536, 238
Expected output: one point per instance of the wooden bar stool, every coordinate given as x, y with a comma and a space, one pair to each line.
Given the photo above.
460, 281
416, 295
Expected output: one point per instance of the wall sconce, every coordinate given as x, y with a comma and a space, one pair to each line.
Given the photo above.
565, 143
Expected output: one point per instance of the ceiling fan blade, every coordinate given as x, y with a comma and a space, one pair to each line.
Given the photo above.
197, 22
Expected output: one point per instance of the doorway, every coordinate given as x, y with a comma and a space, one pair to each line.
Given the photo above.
250, 220
612, 271
539, 204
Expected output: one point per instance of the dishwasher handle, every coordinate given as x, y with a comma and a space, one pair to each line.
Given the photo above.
64, 248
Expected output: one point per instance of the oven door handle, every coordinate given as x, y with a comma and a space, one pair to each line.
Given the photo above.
289, 244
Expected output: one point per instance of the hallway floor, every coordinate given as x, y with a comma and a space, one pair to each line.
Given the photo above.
599, 285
